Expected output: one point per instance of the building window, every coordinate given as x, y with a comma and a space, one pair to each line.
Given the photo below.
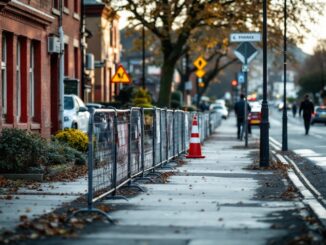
66, 60
76, 7
65, 3
4, 75
18, 80
56, 4
32, 81
76, 51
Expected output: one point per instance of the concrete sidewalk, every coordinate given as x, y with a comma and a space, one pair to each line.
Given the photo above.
209, 201
37, 200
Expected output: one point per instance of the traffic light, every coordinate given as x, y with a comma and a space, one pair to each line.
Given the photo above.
234, 83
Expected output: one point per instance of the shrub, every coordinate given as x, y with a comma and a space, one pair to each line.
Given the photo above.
74, 138
176, 100
21, 150
58, 153
142, 98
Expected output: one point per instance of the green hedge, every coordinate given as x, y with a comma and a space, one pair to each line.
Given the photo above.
21, 150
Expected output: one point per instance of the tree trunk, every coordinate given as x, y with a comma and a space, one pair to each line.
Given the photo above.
167, 73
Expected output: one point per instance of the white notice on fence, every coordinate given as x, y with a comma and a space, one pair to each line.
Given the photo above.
186, 124
122, 129
158, 127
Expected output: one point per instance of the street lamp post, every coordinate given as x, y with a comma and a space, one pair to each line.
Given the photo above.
285, 118
264, 128
61, 68
143, 52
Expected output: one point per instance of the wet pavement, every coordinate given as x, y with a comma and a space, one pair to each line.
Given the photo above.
216, 200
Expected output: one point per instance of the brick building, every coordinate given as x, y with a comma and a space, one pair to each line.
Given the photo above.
29, 73
103, 22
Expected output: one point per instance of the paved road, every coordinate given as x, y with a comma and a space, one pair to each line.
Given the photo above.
297, 140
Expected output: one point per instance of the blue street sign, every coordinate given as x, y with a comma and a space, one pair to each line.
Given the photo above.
240, 78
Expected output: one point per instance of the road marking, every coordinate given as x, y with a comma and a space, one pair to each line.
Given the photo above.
318, 136
298, 171
275, 143
306, 153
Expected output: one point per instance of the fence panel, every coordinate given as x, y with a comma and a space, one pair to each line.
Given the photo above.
122, 145
179, 133
148, 137
158, 135
164, 135
103, 151
170, 134
135, 141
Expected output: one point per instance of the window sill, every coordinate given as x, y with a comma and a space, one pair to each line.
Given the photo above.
21, 125
35, 126
55, 11
7, 125
76, 16
66, 10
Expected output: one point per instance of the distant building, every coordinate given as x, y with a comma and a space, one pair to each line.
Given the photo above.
29, 69
103, 22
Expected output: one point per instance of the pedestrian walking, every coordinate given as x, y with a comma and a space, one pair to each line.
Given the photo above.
294, 109
239, 109
307, 107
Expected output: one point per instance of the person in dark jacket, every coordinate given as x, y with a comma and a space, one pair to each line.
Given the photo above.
307, 107
294, 109
239, 109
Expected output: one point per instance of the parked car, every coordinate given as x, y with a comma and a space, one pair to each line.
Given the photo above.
254, 116
75, 113
320, 115
92, 106
220, 109
281, 105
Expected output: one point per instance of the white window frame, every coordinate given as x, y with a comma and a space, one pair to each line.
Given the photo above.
32, 81
4, 75
18, 80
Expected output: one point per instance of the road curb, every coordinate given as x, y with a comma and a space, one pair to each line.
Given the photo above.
311, 197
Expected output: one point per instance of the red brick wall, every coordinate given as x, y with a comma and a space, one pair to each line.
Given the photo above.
46, 78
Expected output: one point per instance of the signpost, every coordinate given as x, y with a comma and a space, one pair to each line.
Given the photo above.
200, 64
245, 37
121, 76
245, 52
240, 78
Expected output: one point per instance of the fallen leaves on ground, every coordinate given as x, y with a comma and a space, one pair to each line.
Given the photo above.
180, 161
166, 175
274, 165
12, 186
48, 225
69, 174
290, 193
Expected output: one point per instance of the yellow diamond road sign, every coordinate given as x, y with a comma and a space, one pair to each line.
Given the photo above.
121, 76
200, 63
200, 73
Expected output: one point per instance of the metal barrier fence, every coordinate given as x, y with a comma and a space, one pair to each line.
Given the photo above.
126, 144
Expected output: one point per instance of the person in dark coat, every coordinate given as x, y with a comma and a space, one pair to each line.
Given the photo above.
294, 109
307, 107
239, 109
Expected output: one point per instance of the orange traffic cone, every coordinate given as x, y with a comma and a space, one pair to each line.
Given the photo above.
194, 147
